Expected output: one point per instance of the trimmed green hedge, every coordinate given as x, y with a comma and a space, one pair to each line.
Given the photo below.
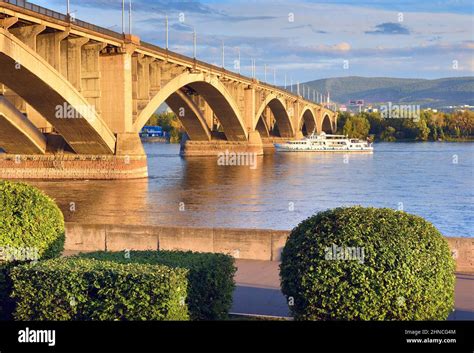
7, 305
30, 220
211, 277
31, 228
87, 289
360, 263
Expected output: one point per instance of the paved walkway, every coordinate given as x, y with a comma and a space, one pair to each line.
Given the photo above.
258, 291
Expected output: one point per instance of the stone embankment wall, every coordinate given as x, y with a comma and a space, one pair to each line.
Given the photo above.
256, 244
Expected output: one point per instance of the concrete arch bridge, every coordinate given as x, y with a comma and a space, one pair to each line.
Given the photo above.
74, 96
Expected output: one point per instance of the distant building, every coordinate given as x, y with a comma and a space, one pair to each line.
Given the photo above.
371, 109
152, 131
432, 110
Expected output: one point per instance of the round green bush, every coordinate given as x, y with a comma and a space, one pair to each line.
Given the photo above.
358, 263
31, 228
31, 224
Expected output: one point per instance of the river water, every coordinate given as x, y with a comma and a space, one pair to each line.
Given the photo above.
433, 180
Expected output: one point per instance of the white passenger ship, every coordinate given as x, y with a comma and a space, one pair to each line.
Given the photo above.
325, 143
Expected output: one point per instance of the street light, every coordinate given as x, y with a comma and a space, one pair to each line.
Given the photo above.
194, 42
130, 18
223, 55
238, 53
123, 16
167, 31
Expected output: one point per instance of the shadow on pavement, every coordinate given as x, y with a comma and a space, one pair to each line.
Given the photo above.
260, 301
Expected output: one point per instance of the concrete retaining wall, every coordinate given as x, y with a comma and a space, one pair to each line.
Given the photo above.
256, 244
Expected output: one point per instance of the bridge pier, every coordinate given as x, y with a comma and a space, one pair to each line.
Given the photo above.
72, 166
129, 162
190, 148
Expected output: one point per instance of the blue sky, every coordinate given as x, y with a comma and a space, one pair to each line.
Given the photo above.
306, 40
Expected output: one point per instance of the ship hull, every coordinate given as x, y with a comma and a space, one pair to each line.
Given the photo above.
283, 148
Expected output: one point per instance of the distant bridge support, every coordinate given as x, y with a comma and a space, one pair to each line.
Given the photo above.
192, 148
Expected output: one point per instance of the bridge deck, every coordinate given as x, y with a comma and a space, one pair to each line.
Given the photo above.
28, 11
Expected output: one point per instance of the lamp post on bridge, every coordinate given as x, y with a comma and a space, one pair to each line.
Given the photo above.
194, 43
123, 16
167, 31
238, 59
70, 14
130, 18
223, 55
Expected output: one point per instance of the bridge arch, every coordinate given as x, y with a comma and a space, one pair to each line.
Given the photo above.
80, 125
262, 127
279, 110
326, 124
215, 94
18, 135
190, 117
307, 119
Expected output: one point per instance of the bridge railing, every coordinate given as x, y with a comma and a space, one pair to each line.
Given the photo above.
37, 9
57, 15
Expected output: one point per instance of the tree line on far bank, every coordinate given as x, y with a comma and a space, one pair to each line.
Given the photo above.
457, 126
169, 123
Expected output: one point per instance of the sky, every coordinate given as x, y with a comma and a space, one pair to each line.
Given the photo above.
304, 40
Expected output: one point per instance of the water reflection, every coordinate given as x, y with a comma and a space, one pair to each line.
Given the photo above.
284, 189
99, 201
